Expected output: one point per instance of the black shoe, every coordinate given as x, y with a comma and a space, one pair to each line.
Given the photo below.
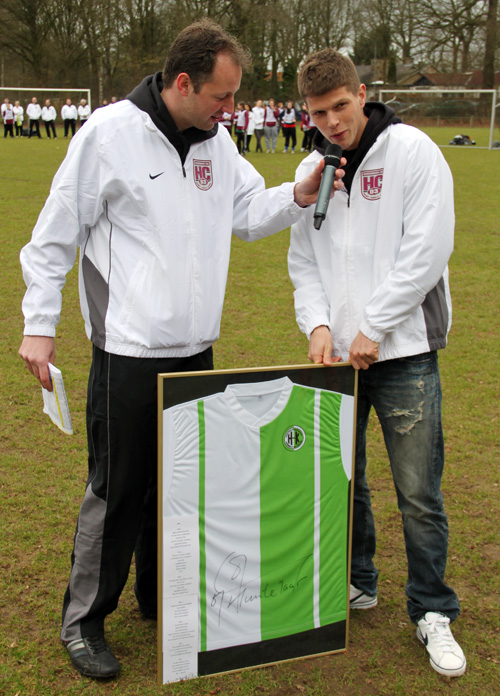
92, 657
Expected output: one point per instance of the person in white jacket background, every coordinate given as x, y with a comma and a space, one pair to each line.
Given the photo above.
49, 116
371, 286
18, 119
149, 193
69, 115
34, 113
259, 113
83, 111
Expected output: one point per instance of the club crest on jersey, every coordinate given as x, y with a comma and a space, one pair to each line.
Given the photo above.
294, 438
371, 184
203, 177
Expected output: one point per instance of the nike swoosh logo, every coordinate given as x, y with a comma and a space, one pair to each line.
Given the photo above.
156, 175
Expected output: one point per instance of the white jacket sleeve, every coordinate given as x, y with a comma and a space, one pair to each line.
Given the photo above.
426, 242
259, 212
74, 204
312, 306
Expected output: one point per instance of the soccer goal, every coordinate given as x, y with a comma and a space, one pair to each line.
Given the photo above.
57, 96
454, 112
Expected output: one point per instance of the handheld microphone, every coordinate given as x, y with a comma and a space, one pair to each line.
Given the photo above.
332, 162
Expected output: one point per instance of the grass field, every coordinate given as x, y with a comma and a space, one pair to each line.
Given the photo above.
43, 472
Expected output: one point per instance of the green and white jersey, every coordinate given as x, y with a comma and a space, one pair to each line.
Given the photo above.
266, 468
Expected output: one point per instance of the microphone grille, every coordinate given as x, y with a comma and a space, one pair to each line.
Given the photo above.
334, 150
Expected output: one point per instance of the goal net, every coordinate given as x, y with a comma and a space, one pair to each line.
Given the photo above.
448, 113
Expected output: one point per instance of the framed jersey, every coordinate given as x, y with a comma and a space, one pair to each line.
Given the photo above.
254, 516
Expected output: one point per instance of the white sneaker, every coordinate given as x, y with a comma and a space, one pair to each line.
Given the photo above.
446, 656
360, 600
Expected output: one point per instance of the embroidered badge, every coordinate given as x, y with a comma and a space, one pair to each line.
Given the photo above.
202, 170
294, 438
371, 184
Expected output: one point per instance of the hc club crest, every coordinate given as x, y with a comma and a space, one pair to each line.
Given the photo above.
203, 174
371, 184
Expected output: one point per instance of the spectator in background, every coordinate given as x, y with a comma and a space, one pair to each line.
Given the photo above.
250, 127
18, 119
281, 109
259, 113
83, 111
241, 124
288, 121
312, 132
49, 116
305, 128
4, 105
69, 115
34, 112
8, 119
227, 121
271, 126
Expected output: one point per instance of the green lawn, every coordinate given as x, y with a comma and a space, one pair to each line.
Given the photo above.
43, 471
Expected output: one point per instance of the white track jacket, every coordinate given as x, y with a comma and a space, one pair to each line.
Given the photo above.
154, 235
378, 264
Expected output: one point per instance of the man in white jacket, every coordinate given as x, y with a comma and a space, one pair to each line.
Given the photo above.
49, 116
69, 115
371, 286
150, 192
34, 112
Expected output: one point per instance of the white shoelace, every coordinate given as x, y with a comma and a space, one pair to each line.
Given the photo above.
441, 634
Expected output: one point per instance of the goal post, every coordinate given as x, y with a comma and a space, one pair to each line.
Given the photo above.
445, 108
57, 95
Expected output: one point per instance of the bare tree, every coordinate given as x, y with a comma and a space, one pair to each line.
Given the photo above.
408, 35
68, 41
491, 44
25, 29
452, 27
109, 45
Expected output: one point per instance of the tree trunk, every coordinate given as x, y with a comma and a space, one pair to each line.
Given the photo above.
490, 44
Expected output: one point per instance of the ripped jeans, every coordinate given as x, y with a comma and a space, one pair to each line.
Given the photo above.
406, 395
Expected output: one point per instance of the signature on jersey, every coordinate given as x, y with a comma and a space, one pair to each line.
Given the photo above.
233, 590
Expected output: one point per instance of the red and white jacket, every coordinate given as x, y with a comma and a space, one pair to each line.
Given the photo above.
271, 117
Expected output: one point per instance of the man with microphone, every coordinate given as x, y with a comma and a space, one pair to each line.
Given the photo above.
371, 286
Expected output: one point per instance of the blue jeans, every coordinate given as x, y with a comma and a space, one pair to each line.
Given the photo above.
406, 394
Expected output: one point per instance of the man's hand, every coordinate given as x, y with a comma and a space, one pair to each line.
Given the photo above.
321, 346
363, 352
37, 352
306, 191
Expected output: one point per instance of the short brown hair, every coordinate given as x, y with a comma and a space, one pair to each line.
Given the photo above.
326, 70
195, 52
